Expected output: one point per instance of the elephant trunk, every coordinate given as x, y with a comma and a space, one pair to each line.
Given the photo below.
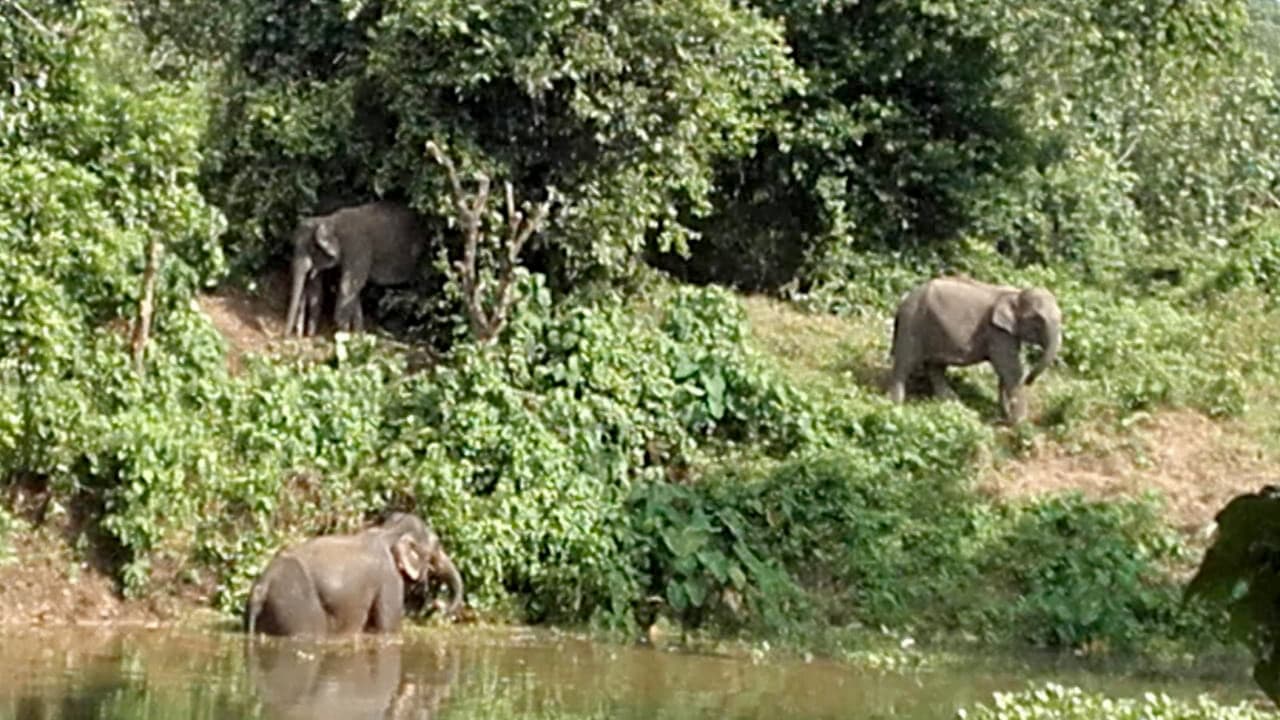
300, 269
453, 579
1052, 341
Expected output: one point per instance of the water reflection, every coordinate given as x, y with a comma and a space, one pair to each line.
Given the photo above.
474, 673
328, 682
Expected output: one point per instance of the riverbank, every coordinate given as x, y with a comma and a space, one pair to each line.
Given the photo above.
510, 672
58, 575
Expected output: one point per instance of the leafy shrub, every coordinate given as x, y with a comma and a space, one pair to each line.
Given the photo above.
1055, 702
524, 456
703, 557
1251, 261
1066, 572
1143, 353
1238, 575
880, 529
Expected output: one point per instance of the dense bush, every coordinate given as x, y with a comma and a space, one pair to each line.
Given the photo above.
1064, 572
623, 106
91, 169
1238, 575
523, 456
885, 147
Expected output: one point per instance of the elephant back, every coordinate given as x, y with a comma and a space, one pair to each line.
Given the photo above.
398, 240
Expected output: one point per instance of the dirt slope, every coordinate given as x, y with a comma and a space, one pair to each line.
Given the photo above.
1196, 465
250, 321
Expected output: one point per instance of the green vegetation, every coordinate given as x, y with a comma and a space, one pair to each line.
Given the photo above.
1239, 573
1054, 702
8, 525
631, 445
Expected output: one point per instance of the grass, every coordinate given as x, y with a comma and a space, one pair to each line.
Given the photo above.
1090, 416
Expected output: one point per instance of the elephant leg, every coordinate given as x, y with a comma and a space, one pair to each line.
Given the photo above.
897, 390
347, 313
314, 304
902, 368
1008, 366
357, 316
388, 608
938, 381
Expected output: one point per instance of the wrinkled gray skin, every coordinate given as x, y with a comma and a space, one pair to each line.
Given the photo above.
958, 321
377, 242
347, 584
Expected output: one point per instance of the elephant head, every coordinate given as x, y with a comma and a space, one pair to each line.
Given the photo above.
315, 249
419, 555
1032, 315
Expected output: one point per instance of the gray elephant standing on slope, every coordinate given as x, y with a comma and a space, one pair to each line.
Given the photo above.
958, 321
346, 584
378, 242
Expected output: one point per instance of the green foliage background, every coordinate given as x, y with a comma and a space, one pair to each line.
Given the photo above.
625, 448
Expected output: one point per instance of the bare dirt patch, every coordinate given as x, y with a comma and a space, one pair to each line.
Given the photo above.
251, 321
44, 584
1196, 464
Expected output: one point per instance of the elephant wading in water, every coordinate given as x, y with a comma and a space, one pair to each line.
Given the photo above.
957, 321
378, 242
346, 584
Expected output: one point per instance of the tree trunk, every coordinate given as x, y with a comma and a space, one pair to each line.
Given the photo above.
146, 308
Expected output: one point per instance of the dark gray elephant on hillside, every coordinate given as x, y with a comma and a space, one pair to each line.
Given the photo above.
346, 584
959, 321
378, 242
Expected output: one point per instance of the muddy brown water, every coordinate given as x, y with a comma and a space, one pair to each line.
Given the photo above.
485, 673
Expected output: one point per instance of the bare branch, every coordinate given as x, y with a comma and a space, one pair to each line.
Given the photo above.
521, 229
30, 18
487, 324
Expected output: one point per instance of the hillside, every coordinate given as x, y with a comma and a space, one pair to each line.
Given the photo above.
1195, 463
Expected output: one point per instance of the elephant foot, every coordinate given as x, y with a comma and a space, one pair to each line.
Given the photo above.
1015, 413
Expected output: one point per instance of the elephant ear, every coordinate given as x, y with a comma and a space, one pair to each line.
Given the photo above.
408, 557
1004, 314
327, 239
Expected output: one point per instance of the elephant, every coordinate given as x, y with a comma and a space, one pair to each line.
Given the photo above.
347, 584
378, 242
960, 321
